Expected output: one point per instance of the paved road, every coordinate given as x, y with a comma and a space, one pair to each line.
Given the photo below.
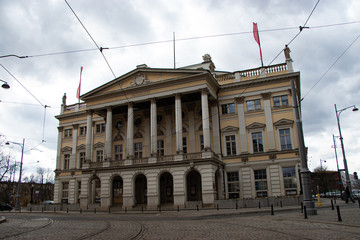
286, 223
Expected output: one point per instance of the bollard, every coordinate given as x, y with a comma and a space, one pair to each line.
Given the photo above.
217, 206
332, 205
80, 210
178, 208
302, 207
359, 202
94, 210
109, 210
197, 207
259, 205
319, 200
305, 213
42, 209
159, 208
338, 213
54, 209
31, 209
142, 209
280, 203
236, 205
125, 209
67, 210
272, 209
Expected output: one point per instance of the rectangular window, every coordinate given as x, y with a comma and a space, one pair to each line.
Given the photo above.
281, 101
100, 128
228, 108
233, 184
82, 159
201, 142
138, 150
290, 183
285, 139
65, 192
260, 183
118, 152
160, 148
230, 145
257, 142
68, 133
66, 161
184, 145
253, 104
99, 155
83, 131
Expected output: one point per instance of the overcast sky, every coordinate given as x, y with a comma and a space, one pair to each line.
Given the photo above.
222, 29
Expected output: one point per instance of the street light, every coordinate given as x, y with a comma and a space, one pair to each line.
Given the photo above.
17, 204
321, 161
5, 84
338, 112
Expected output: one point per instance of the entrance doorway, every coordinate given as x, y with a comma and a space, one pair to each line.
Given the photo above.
166, 188
140, 189
117, 193
95, 190
193, 186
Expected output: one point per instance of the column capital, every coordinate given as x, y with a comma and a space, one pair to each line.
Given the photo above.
239, 100
153, 100
205, 91
75, 126
131, 104
266, 96
178, 96
60, 129
109, 108
89, 112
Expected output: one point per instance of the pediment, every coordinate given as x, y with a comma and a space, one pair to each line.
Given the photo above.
66, 149
229, 129
283, 122
81, 147
255, 125
99, 145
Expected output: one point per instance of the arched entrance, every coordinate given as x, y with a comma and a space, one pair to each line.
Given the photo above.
166, 187
193, 186
117, 191
95, 190
218, 188
140, 189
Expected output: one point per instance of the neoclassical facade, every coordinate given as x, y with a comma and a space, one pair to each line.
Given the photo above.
178, 137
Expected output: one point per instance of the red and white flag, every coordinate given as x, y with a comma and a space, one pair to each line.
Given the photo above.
78, 90
257, 39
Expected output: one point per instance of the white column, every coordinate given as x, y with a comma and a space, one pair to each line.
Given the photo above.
205, 119
169, 146
178, 123
242, 129
215, 127
153, 127
191, 116
74, 144
58, 155
108, 134
130, 131
269, 121
88, 137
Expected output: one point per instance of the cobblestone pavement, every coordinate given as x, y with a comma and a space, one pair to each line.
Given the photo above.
286, 223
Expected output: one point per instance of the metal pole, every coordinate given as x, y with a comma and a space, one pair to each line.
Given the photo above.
304, 172
17, 205
348, 183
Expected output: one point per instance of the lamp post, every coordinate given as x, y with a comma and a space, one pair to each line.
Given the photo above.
17, 204
338, 112
321, 161
5, 84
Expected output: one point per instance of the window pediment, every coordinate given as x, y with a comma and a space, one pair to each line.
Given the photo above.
256, 125
81, 147
229, 129
99, 145
283, 122
66, 149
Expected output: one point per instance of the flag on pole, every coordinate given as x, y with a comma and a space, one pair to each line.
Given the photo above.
78, 90
257, 39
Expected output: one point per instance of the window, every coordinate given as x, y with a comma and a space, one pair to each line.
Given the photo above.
138, 150
233, 184
184, 145
99, 155
100, 128
137, 122
82, 159
66, 161
260, 183
228, 108
253, 104
201, 142
160, 148
159, 118
79, 191
118, 152
83, 131
290, 183
257, 142
230, 145
65, 192
281, 101
285, 139
68, 133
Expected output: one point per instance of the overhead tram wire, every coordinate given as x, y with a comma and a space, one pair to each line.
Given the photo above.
331, 66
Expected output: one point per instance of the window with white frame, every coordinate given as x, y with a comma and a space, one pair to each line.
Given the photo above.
68, 133
233, 184
252, 105
100, 128
260, 183
280, 101
118, 149
228, 108
138, 150
257, 142
230, 144
81, 159
66, 161
65, 192
201, 138
83, 131
285, 139
99, 155
184, 145
290, 183
160, 147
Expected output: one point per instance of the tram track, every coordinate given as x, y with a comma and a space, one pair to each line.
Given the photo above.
89, 235
49, 223
140, 234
